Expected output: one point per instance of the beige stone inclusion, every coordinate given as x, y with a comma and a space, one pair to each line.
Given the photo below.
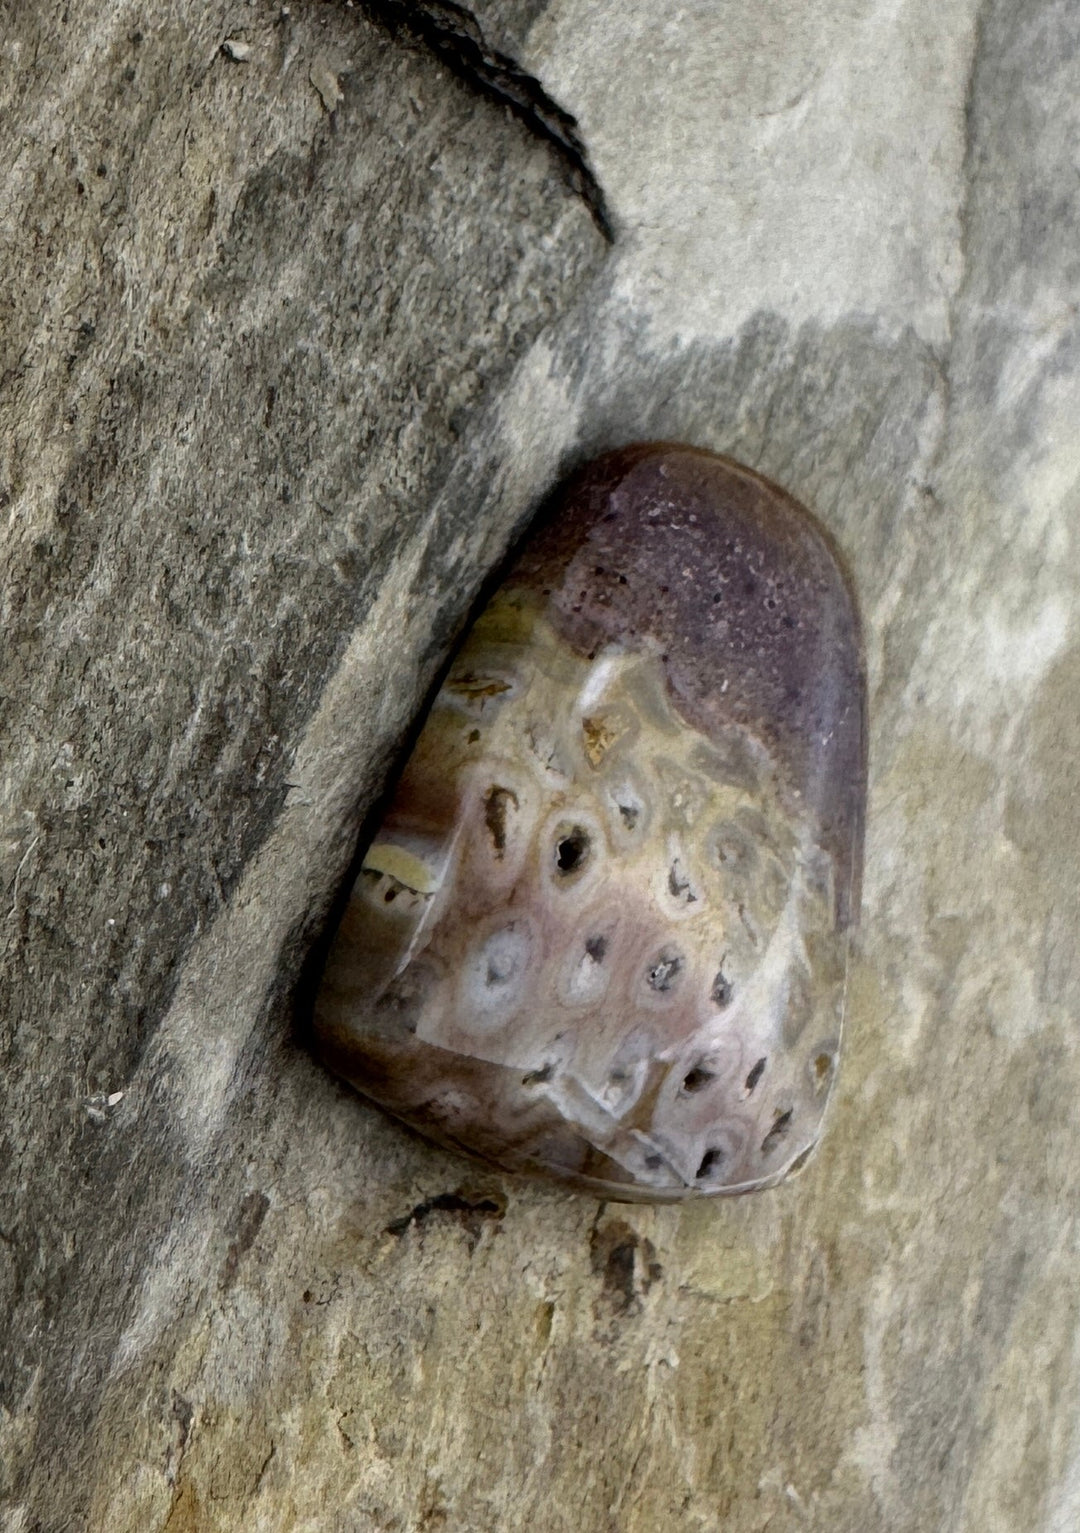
588, 941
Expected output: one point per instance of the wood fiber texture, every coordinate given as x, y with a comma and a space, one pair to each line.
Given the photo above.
243, 341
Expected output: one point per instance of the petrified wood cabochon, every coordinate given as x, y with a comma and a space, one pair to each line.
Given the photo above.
602, 931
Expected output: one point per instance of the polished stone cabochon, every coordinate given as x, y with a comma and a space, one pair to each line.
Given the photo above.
602, 931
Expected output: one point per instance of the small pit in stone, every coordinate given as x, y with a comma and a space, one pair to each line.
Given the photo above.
697, 1079
679, 884
781, 1124
721, 989
711, 1161
596, 947
497, 805
538, 1077
664, 972
755, 1075
629, 813
571, 850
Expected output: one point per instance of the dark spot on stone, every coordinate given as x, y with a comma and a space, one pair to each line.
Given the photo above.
470, 1210
721, 989
755, 1075
697, 1079
497, 805
537, 1077
246, 1225
710, 1162
664, 972
500, 970
679, 885
748, 925
629, 815
780, 1127
733, 851
571, 850
624, 1262
183, 1414
596, 947
619, 1272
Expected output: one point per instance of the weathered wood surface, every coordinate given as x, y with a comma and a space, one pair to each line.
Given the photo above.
293, 336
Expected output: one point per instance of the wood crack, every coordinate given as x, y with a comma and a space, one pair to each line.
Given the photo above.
453, 33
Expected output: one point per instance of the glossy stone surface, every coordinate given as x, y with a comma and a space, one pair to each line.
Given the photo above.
602, 931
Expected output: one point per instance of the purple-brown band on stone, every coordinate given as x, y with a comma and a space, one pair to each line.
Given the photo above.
747, 597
